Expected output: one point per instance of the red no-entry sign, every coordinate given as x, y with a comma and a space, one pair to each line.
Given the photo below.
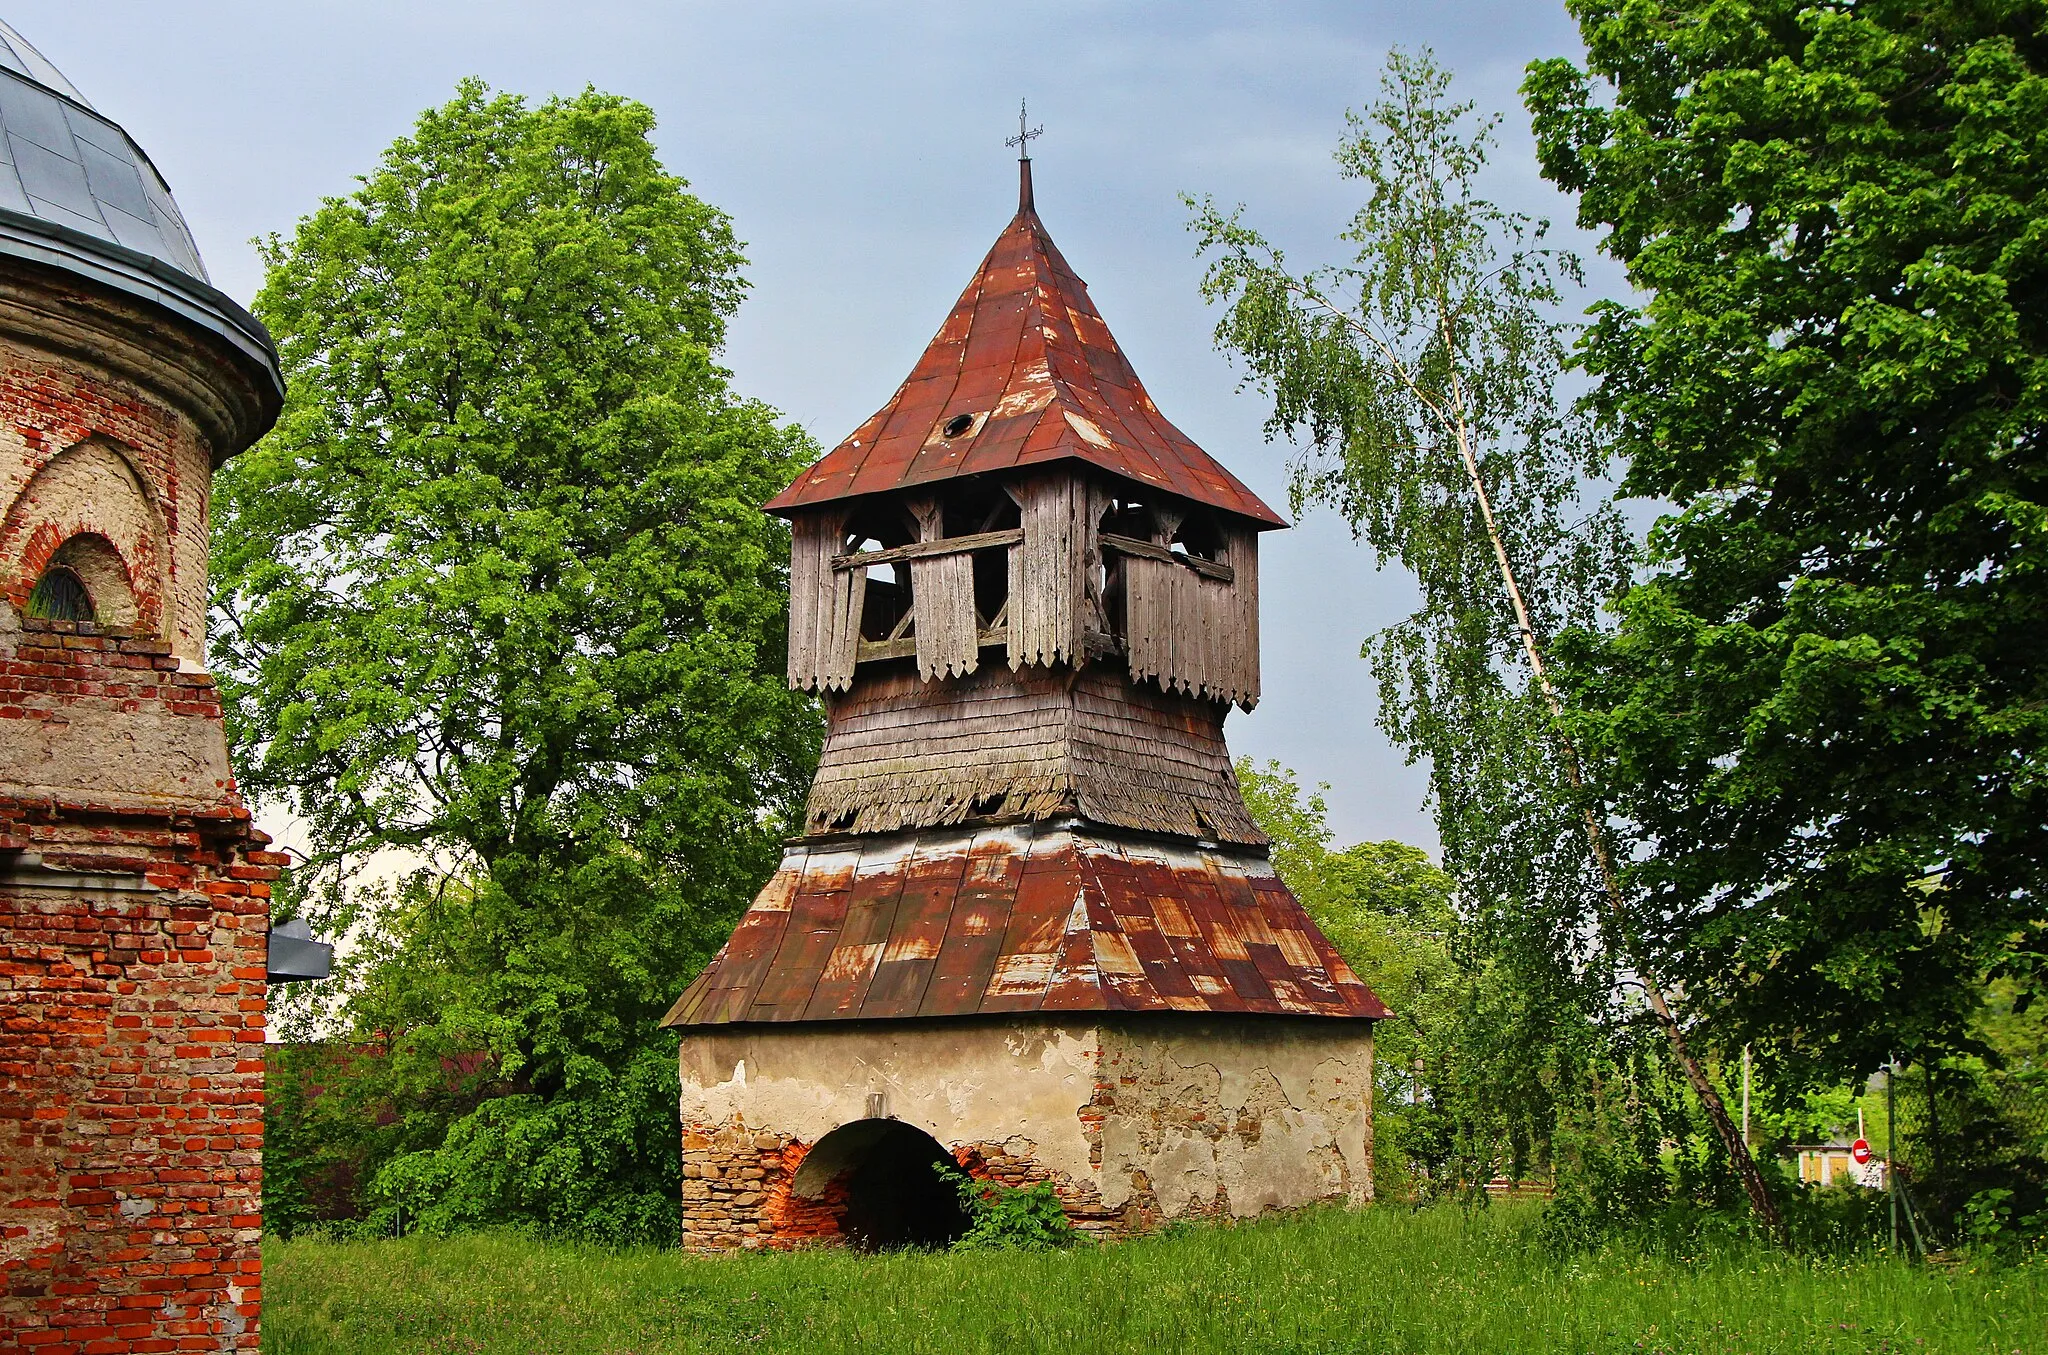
1860, 1150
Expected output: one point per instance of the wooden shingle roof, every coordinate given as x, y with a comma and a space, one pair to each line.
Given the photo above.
1003, 920
1029, 372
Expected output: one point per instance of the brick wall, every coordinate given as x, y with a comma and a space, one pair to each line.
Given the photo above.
134, 893
131, 1081
82, 452
132, 1010
132, 944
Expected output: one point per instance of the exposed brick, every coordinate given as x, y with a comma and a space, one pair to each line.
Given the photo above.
132, 985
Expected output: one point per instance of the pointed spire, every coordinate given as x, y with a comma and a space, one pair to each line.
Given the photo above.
1022, 141
1027, 358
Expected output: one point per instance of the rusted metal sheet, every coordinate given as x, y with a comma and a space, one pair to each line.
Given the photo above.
1023, 372
961, 922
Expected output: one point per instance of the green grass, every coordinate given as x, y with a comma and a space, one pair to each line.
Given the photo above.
1381, 1280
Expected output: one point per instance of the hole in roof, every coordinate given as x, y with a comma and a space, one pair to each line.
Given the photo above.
958, 424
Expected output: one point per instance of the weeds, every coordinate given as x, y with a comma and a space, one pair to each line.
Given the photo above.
1329, 1282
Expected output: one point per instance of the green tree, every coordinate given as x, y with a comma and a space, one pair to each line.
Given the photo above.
1388, 910
1423, 375
496, 600
1827, 707
1474, 1069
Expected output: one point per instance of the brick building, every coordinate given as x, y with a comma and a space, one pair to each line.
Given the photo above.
1030, 927
133, 890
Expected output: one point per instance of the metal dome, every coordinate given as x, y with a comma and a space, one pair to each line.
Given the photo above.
17, 55
77, 193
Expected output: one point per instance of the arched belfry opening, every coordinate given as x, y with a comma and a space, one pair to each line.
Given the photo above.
879, 1181
1028, 897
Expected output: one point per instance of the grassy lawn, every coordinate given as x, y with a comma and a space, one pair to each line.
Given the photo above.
1376, 1281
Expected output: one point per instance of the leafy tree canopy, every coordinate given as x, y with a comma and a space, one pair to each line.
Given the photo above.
1827, 710
1422, 372
496, 596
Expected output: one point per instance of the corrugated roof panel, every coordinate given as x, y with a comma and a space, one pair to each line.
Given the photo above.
1022, 919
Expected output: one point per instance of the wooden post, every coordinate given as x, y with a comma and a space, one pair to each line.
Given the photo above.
1745, 1093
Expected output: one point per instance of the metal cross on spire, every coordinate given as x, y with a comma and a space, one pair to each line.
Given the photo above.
1022, 141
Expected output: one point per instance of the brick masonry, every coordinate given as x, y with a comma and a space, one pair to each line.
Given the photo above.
81, 452
131, 1080
737, 1196
1134, 1121
134, 891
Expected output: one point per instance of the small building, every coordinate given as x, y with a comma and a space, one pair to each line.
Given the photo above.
1827, 1164
134, 894
1029, 928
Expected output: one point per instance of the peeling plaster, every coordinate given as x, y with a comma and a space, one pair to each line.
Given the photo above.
1166, 1115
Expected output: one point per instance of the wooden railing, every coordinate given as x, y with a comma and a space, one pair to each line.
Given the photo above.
1131, 545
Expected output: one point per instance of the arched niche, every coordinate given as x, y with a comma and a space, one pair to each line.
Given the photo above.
84, 580
881, 1180
88, 510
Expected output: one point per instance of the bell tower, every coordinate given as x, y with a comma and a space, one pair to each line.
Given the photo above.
1028, 602
1023, 592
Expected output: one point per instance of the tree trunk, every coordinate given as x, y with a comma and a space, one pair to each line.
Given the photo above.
1596, 838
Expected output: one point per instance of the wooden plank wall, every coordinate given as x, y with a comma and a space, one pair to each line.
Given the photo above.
1188, 632
1192, 633
901, 752
942, 591
824, 603
1048, 570
1241, 545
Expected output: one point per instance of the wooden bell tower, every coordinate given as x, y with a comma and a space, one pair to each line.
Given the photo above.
1028, 602
1022, 591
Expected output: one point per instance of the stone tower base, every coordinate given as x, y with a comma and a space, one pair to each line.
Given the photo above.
812, 1132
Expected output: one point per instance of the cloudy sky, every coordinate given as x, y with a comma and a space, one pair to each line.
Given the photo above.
859, 147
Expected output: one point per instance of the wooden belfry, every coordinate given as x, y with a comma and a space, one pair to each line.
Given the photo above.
1028, 601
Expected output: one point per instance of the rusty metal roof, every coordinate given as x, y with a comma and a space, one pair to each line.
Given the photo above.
1027, 362
1021, 918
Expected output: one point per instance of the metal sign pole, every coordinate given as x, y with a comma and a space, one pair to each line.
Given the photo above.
1891, 1133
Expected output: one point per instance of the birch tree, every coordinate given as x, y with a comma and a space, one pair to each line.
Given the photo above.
1421, 376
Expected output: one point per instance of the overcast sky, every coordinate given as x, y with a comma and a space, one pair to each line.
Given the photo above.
859, 148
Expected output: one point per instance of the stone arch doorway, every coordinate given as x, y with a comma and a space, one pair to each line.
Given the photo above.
879, 1181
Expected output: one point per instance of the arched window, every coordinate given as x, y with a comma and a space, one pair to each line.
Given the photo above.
60, 595
85, 580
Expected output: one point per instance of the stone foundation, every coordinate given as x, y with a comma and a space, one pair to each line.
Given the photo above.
1134, 1121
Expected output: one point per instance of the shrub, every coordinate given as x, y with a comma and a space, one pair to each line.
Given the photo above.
1009, 1218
